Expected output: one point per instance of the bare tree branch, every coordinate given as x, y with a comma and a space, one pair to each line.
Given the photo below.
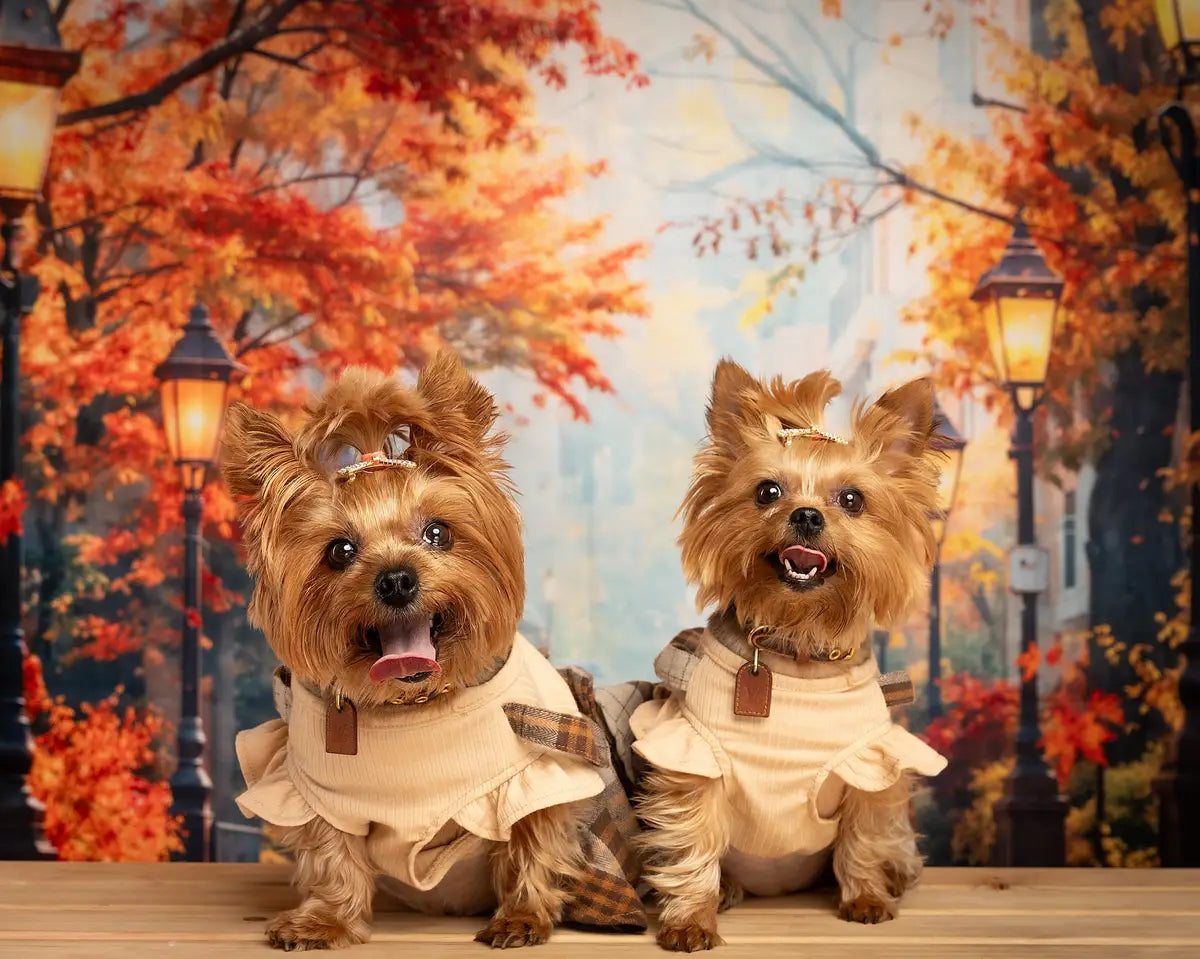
239, 42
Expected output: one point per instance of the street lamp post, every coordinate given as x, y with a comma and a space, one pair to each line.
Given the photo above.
195, 379
1179, 785
952, 444
33, 70
1020, 298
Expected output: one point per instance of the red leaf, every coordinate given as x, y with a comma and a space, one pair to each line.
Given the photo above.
1029, 661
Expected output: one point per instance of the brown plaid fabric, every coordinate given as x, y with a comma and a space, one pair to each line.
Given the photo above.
897, 688
675, 663
616, 704
606, 895
568, 734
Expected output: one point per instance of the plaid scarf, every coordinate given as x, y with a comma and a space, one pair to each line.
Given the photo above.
605, 895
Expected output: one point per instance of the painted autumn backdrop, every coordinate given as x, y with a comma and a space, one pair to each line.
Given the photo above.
361, 182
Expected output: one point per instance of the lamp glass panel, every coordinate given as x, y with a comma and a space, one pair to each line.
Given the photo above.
1178, 21
1026, 331
991, 322
28, 114
192, 415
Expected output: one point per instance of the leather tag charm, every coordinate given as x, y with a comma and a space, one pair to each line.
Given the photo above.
752, 691
341, 729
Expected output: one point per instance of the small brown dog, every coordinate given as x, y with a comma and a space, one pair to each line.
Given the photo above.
420, 734
774, 750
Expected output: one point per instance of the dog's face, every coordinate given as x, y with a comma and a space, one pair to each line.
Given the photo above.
399, 582
811, 537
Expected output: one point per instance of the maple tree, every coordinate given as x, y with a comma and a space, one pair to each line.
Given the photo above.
1072, 152
338, 182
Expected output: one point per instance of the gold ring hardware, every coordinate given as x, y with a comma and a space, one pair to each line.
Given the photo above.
421, 699
446, 688
338, 700
835, 655
753, 639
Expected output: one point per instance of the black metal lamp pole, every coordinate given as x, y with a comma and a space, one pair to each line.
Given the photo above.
1021, 295
33, 69
1031, 815
20, 814
952, 443
194, 378
935, 638
191, 786
1179, 785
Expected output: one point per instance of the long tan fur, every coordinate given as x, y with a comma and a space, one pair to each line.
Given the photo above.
529, 873
875, 859
336, 879
315, 617
883, 556
689, 819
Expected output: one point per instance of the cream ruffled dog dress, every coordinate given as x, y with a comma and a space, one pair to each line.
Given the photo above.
784, 774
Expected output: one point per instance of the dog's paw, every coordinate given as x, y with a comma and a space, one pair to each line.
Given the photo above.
300, 930
866, 909
688, 937
513, 931
732, 893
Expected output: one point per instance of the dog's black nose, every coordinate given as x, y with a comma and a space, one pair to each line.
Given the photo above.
397, 587
807, 520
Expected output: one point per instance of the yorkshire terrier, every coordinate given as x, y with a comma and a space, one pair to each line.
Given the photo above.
773, 751
420, 734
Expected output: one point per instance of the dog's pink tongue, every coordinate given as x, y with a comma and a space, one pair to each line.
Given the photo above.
407, 651
804, 558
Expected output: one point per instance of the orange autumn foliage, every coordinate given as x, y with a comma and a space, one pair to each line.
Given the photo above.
980, 720
12, 506
340, 182
88, 772
357, 182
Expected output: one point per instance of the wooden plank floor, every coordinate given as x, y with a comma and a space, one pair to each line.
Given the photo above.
114, 911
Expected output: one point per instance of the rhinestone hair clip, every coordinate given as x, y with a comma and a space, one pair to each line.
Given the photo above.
789, 433
372, 463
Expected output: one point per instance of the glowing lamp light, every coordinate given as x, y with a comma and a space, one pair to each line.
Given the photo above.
195, 380
33, 70
952, 444
1179, 24
1020, 295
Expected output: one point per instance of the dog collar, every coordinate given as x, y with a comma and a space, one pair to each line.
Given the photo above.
760, 637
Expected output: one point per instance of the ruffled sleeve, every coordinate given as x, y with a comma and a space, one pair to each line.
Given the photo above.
271, 795
878, 763
667, 740
550, 780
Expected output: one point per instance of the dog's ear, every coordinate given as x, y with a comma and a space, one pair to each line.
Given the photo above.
733, 392
257, 453
900, 423
452, 393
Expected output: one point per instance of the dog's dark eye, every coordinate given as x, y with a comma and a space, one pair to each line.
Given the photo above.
340, 553
851, 500
767, 493
437, 535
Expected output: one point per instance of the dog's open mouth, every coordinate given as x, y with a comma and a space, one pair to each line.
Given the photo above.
407, 649
801, 567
